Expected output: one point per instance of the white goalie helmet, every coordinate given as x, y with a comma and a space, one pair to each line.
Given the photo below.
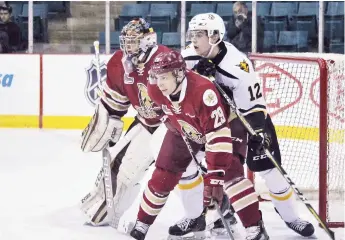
210, 22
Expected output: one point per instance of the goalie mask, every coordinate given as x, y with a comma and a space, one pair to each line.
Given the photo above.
136, 38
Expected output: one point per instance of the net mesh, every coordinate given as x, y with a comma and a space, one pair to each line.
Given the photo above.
292, 92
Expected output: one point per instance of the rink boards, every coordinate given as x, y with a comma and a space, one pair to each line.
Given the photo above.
58, 92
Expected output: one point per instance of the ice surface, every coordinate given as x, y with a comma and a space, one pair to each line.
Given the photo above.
44, 174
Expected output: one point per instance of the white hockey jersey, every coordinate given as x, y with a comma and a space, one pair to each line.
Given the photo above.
236, 72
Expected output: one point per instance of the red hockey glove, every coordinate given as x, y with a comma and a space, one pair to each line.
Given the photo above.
213, 187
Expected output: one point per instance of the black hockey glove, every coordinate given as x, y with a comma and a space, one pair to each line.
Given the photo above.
205, 67
258, 142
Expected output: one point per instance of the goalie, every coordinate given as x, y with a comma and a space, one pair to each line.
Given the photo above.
131, 155
209, 55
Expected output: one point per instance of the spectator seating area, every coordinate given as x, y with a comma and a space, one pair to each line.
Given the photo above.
288, 26
42, 11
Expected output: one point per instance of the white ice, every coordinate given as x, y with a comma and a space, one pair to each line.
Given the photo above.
44, 174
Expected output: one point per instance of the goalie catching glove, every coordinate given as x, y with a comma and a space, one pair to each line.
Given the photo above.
101, 130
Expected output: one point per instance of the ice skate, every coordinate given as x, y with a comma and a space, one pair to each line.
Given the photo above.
188, 229
217, 228
139, 231
257, 232
303, 228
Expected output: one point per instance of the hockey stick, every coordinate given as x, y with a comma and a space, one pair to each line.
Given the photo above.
275, 163
108, 188
185, 139
227, 227
225, 223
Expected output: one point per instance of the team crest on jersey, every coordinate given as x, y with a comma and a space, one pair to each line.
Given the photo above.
243, 66
191, 132
146, 108
93, 84
210, 98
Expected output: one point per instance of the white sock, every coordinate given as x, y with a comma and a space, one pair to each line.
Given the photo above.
281, 193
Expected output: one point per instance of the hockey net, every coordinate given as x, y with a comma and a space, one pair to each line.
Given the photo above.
305, 97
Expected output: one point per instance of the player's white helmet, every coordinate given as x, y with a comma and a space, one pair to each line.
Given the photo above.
210, 22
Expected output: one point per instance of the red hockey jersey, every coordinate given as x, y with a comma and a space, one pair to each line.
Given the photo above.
122, 90
200, 116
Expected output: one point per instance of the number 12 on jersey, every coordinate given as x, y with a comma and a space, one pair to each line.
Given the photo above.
256, 91
218, 117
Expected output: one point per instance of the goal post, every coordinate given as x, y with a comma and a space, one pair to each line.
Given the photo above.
305, 97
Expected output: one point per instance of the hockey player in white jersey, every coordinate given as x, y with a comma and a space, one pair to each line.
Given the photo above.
209, 55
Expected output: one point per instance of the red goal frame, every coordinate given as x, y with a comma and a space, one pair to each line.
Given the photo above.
323, 125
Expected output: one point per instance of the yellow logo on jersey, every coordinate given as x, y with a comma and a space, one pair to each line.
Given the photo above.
191, 132
146, 108
244, 66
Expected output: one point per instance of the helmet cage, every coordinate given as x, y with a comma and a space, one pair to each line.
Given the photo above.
136, 37
130, 44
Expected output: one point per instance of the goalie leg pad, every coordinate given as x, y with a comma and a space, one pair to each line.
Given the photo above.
281, 194
93, 204
137, 159
135, 163
157, 140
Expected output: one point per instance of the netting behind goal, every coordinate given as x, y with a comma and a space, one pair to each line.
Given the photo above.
305, 97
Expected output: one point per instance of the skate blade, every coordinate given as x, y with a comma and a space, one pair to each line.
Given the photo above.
221, 233
128, 227
189, 236
104, 224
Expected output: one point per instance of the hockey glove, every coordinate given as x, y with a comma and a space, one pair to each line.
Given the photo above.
205, 67
258, 142
213, 187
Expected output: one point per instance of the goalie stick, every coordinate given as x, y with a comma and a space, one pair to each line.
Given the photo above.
108, 189
251, 131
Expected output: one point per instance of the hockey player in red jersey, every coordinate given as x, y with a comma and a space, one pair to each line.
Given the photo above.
127, 74
194, 110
